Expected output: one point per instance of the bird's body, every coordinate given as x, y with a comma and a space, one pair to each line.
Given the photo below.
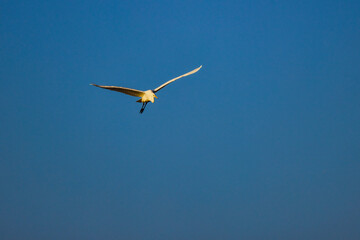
145, 96
148, 96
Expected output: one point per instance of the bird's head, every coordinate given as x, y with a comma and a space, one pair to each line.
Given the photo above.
152, 99
153, 94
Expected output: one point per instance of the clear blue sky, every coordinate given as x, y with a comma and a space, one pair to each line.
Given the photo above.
261, 143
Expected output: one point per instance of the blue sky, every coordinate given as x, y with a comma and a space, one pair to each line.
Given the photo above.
261, 143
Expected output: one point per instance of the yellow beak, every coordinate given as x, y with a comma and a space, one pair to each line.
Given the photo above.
155, 96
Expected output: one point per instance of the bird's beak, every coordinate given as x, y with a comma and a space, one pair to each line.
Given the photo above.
155, 96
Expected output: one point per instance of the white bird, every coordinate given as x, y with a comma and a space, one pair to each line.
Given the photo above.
148, 95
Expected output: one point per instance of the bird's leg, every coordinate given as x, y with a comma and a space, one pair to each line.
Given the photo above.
143, 107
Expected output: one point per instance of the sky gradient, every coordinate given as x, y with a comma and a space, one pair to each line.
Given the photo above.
261, 143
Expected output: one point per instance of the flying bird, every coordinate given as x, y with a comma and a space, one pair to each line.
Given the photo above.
145, 96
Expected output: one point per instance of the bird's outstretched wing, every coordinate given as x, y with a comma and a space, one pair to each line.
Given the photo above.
174, 79
128, 91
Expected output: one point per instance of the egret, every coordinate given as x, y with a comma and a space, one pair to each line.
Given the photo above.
145, 96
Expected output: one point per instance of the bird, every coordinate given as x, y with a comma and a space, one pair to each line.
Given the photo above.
145, 96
